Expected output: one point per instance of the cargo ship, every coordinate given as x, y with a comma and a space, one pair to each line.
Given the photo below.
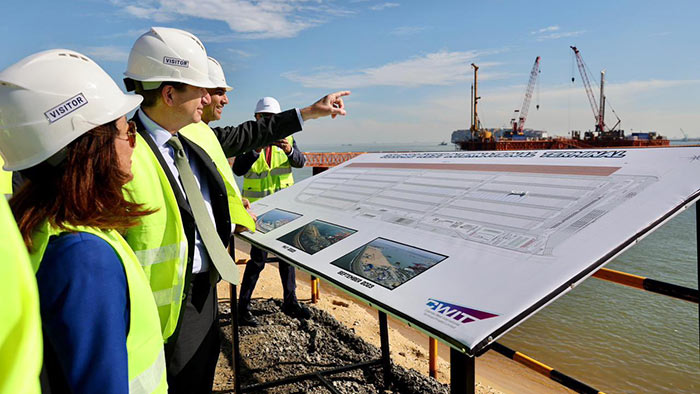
518, 138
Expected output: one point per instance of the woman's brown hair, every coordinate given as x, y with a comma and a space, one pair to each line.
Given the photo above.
84, 190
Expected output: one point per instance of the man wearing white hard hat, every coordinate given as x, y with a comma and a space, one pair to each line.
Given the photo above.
212, 112
265, 171
180, 170
63, 125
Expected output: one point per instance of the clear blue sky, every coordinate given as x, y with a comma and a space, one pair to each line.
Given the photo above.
407, 63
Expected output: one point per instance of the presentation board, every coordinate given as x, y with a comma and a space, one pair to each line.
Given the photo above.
466, 245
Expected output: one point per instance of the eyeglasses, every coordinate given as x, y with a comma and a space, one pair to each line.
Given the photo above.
130, 134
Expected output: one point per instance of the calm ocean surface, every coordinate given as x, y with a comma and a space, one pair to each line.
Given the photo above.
614, 338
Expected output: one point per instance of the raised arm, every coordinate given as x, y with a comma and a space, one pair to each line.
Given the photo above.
255, 134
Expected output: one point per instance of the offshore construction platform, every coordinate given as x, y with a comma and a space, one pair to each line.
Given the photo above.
518, 138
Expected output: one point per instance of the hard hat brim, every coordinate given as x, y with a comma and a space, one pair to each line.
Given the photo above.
207, 84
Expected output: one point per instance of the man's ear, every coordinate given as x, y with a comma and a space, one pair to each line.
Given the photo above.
167, 95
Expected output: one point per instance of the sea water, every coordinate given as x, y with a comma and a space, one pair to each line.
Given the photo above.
614, 338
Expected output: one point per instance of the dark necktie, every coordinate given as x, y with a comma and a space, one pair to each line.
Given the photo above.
212, 243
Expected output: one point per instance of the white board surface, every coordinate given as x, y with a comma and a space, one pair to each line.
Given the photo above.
466, 245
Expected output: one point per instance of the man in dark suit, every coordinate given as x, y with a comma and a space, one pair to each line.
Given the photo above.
175, 94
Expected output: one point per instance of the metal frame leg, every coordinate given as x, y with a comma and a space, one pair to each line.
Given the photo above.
697, 245
314, 289
462, 373
433, 357
235, 356
386, 357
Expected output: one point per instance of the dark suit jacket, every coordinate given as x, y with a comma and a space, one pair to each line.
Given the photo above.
245, 161
234, 140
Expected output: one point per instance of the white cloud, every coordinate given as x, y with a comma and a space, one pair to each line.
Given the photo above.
434, 69
240, 53
383, 6
406, 30
108, 53
553, 32
554, 36
545, 30
247, 18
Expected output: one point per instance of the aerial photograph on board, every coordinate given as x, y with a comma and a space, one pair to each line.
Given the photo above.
273, 219
388, 263
316, 236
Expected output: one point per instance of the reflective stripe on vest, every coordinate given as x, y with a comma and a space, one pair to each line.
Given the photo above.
159, 241
143, 383
256, 195
20, 323
144, 342
263, 180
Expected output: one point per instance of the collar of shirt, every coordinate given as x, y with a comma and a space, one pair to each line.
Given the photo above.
158, 133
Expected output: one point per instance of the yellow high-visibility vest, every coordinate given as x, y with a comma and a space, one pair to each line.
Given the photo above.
262, 180
20, 322
159, 242
144, 342
5, 180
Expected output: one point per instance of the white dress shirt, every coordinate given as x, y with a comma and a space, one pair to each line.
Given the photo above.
200, 261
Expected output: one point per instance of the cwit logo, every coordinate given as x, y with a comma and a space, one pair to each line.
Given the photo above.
457, 313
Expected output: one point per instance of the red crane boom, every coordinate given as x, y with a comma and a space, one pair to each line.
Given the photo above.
520, 123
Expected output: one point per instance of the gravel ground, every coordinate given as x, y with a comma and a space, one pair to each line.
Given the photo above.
282, 347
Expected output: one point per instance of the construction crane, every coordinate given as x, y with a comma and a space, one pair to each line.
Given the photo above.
474, 127
598, 109
518, 122
475, 130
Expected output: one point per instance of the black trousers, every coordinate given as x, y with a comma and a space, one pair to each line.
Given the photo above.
191, 358
252, 271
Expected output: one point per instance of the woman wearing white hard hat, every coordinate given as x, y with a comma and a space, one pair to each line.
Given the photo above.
63, 125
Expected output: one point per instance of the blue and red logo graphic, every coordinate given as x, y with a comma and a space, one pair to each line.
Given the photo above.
458, 313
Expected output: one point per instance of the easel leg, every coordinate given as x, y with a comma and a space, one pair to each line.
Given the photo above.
384, 338
314, 289
697, 245
462, 373
433, 357
235, 356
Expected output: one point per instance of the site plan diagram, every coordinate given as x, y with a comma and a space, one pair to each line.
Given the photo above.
519, 210
466, 245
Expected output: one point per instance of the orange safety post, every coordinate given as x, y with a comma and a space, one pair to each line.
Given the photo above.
433, 351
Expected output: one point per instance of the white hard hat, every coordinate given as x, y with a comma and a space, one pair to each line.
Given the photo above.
49, 99
267, 105
216, 74
165, 54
